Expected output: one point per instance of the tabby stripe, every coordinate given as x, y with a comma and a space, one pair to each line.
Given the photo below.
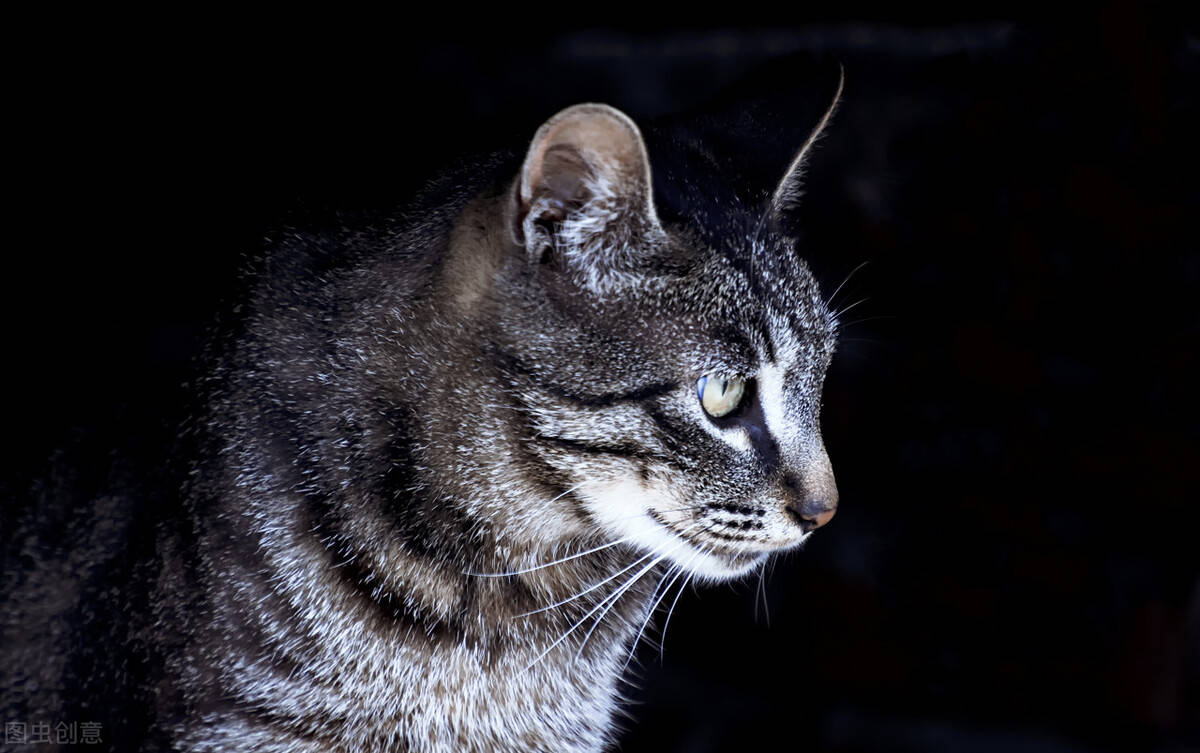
764, 332
595, 400
607, 399
800, 331
347, 567
761, 437
672, 427
623, 449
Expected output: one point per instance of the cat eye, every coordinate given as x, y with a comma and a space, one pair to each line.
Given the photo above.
720, 395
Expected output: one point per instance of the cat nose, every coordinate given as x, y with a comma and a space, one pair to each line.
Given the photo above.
809, 508
811, 514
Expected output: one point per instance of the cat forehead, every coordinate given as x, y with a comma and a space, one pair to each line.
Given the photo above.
758, 275
752, 299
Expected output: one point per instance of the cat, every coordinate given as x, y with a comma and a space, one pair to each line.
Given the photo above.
446, 470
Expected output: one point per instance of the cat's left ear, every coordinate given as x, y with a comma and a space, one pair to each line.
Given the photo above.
585, 186
787, 194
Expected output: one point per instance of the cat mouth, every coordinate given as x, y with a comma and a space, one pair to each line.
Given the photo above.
624, 513
717, 555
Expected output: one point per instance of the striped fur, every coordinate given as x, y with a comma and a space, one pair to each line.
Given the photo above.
415, 418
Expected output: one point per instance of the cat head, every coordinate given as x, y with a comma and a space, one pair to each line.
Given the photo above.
668, 374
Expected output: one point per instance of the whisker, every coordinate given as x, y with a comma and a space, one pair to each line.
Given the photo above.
595, 609
605, 605
577, 487
842, 325
548, 564
662, 643
757, 593
842, 312
621, 591
589, 589
762, 589
655, 599
829, 300
678, 570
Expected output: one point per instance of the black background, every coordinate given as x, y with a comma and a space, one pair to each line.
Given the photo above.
1011, 414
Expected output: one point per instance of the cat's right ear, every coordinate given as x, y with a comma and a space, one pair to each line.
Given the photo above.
588, 163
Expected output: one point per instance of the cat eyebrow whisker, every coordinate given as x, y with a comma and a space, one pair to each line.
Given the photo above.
833, 295
842, 327
842, 311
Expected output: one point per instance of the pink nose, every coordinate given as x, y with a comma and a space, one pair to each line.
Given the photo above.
811, 501
811, 514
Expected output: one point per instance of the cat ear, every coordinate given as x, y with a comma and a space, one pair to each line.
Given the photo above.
585, 184
787, 193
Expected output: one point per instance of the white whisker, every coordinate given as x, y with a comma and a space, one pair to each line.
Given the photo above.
548, 564
841, 312
678, 570
595, 609
829, 301
662, 643
622, 590
591, 588
762, 589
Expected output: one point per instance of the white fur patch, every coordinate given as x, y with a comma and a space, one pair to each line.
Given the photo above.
623, 508
771, 395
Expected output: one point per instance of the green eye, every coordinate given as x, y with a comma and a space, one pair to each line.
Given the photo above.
720, 395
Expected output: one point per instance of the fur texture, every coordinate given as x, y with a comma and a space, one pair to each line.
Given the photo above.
450, 462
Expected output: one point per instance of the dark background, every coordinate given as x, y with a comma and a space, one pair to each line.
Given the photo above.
1012, 422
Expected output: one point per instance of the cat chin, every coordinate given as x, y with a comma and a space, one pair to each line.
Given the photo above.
713, 567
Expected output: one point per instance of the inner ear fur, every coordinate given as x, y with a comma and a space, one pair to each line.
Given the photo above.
586, 153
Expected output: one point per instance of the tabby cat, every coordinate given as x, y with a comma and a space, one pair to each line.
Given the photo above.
446, 470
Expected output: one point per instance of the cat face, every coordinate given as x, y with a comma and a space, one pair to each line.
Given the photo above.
670, 383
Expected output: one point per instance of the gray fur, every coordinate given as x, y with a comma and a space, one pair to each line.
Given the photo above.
417, 417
